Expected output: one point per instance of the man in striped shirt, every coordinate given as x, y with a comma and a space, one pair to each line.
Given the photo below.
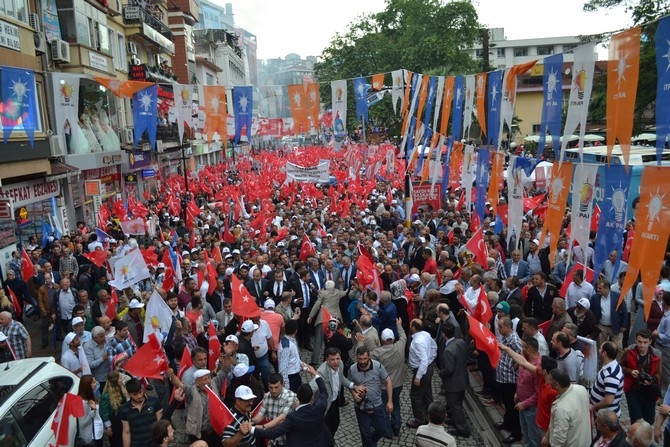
608, 387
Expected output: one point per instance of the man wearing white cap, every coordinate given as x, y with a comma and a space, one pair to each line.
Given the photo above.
391, 354
239, 430
198, 423
71, 358
135, 322
78, 329
273, 319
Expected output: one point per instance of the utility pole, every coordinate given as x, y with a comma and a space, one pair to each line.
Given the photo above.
486, 65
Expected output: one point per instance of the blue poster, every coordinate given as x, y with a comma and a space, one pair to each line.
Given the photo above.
145, 114
447, 160
612, 216
243, 104
425, 149
457, 107
552, 106
410, 139
430, 101
19, 102
361, 95
482, 182
494, 97
662, 93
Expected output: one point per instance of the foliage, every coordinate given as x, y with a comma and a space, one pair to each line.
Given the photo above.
424, 36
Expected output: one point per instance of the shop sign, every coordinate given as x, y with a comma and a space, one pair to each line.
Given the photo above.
5, 209
148, 173
138, 159
92, 187
9, 36
112, 159
97, 61
24, 193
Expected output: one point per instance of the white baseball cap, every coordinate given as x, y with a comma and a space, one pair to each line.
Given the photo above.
201, 373
249, 326
69, 338
242, 369
584, 302
244, 392
269, 304
233, 338
387, 334
77, 320
135, 304
3, 337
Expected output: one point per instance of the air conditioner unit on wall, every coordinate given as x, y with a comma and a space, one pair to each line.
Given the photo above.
127, 136
60, 51
35, 22
57, 145
132, 48
40, 41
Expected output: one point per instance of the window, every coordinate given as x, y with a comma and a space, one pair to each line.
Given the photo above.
545, 50
518, 52
104, 43
16, 9
11, 433
479, 53
536, 128
120, 61
569, 47
36, 406
209, 79
500, 52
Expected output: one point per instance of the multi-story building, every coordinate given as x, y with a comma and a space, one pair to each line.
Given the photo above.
282, 72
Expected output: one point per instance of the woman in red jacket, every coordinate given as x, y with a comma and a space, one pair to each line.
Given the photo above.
641, 368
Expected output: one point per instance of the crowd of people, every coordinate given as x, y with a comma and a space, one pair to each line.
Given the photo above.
304, 275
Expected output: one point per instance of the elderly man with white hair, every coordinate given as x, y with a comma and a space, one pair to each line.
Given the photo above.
328, 300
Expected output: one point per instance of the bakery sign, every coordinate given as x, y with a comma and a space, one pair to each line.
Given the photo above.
24, 193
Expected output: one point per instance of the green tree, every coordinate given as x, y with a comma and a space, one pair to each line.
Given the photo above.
432, 37
643, 13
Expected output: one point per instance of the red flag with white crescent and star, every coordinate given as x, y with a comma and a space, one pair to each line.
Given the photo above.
214, 346
477, 246
243, 303
149, 361
485, 341
68, 405
27, 267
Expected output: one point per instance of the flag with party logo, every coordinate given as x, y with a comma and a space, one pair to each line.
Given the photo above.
515, 197
559, 188
410, 122
183, 105
439, 91
145, 114
623, 70
469, 172
430, 100
129, 270
423, 94
397, 89
482, 181
122, 89
157, 316
446, 171
339, 100
313, 103
456, 164
552, 104
19, 102
651, 234
480, 89
494, 91
496, 179
469, 103
583, 198
361, 96
612, 216
66, 100
662, 40
243, 104
580, 95
446, 104
459, 96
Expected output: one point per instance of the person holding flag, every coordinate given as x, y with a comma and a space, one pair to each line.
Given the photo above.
277, 403
239, 429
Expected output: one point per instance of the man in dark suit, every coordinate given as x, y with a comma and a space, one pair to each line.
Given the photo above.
540, 298
275, 288
613, 326
347, 273
305, 297
316, 274
517, 267
304, 425
330, 272
454, 373
256, 287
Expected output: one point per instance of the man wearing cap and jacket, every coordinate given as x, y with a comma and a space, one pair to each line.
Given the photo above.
391, 354
135, 323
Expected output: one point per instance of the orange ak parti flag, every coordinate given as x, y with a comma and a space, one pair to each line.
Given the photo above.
122, 89
377, 81
496, 179
480, 89
456, 165
651, 233
216, 112
559, 188
623, 70
298, 104
446, 104
313, 102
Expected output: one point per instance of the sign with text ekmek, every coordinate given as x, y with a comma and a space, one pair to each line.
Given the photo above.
314, 174
422, 195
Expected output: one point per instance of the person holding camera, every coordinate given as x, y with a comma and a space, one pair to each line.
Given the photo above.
641, 366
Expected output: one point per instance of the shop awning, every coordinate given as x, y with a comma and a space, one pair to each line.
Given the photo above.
61, 170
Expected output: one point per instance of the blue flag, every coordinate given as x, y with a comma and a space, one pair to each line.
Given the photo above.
525, 164
102, 236
612, 215
145, 114
430, 101
662, 94
19, 102
410, 138
361, 95
243, 104
494, 98
482, 182
498, 227
457, 107
552, 107
427, 135
47, 229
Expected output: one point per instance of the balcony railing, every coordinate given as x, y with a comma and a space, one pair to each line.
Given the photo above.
136, 15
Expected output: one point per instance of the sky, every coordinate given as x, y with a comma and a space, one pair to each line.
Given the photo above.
306, 27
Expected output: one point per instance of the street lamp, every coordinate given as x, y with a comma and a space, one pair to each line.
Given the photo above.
186, 152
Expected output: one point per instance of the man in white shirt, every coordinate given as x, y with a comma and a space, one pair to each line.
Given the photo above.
577, 289
70, 358
289, 364
264, 347
422, 353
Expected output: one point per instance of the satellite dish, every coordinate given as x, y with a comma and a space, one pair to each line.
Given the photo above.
567, 71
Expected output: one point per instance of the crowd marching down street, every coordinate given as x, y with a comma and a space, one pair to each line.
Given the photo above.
208, 292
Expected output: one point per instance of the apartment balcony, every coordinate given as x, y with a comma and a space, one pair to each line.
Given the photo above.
188, 7
150, 26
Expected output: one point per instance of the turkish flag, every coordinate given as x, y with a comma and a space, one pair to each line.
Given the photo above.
70, 405
219, 414
244, 304
588, 277
255, 411
192, 211
595, 217
477, 246
137, 209
191, 240
150, 256
214, 346
111, 304
228, 237
306, 248
15, 302
503, 212
168, 279
530, 203
629, 244
483, 310
149, 361
185, 363
120, 211
27, 267
367, 273
211, 274
485, 341
281, 234
544, 327
325, 318
216, 254
97, 257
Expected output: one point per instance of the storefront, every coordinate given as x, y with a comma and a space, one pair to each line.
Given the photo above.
139, 175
